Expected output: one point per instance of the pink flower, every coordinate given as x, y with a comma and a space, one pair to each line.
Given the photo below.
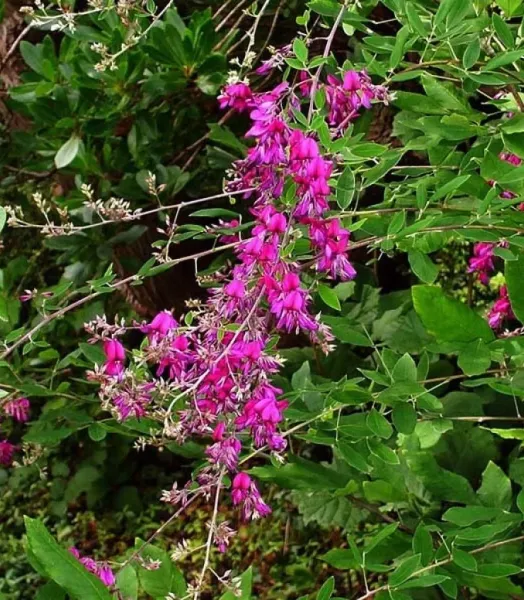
289, 305
236, 95
159, 327
482, 261
100, 569
245, 492
115, 358
501, 310
18, 409
7, 451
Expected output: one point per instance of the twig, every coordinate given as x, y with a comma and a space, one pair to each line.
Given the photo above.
14, 46
113, 286
155, 534
138, 216
211, 533
327, 49
443, 562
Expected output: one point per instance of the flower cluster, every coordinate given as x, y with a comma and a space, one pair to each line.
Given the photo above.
18, 410
212, 377
100, 569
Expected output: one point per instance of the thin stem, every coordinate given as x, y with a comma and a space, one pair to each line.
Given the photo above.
211, 533
445, 561
327, 49
14, 46
154, 535
146, 213
60, 313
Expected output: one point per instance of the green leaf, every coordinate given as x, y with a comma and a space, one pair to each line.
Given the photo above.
49, 591
449, 320
449, 187
397, 223
404, 571
340, 559
401, 38
61, 566
475, 358
514, 273
33, 56
415, 22
423, 267
404, 417
326, 591
464, 560
444, 94
509, 6
246, 584
422, 544
383, 452
345, 188
520, 501
382, 535
96, 432
424, 582
300, 50
466, 516
353, 458
378, 424
405, 369
502, 29
164, 580
329, 296
503, 59
472, 53
127, 583
67, 152
495, 490
3, 218
342, 330
498, 570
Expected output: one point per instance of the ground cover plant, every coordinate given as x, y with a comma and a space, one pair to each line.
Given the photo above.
262, 300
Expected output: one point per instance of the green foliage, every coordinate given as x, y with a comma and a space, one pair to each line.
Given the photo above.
407, 437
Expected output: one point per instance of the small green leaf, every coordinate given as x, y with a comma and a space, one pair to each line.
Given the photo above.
383, 452
378, 424
520, 501
415, 22
329, 296
300, 50
423, 267
464, 560
353, 458
472, 53
449, 320
397, 223
514, 273
502, 29
127, 583
382, 535
404, 571
96, 432
405, 369
326, 591
449, 187
3, 218
345, 188
509, 6
475, 358
67, 152
404, 417
422, 544
495, 490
